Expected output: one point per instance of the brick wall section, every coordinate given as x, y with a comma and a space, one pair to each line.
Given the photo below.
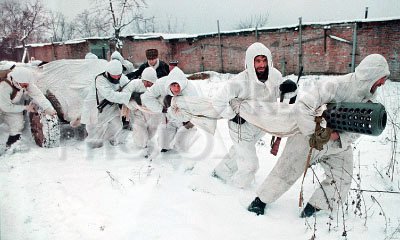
134, 51
59, 51
384, 39
322, 52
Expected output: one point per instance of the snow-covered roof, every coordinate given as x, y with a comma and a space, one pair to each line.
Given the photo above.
97, 38
35, 45
165, 36
72, 41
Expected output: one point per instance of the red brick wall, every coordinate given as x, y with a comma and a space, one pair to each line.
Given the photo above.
134, 51
321, 53
380, 38
59, 51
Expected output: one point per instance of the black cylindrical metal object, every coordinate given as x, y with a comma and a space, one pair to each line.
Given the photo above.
363, 118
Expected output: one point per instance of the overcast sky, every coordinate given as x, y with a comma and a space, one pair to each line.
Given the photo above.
200, 16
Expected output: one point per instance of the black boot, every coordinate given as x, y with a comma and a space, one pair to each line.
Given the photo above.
257, 206
12, 139
126, 124
308, 211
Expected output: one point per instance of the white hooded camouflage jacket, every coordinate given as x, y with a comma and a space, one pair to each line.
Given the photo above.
352, 87
156, 93
246, 85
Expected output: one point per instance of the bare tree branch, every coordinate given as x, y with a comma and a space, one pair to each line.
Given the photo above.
22, 21
120, 14
253, 21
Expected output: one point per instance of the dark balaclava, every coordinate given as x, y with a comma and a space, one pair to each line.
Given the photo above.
112, 80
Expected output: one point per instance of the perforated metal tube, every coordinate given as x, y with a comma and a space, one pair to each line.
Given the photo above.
363, 118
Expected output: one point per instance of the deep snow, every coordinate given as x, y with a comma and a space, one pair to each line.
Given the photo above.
72, 192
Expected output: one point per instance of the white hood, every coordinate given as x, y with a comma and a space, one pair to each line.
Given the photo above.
21, 75
176, 75
371, 68
90, 55
117, 56
253, 51
149, 74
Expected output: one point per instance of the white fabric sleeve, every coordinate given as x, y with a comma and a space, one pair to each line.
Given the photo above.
37, 95
221, 100
310, 98
151, 96
135, 86
5, 101
106, 91
190, 90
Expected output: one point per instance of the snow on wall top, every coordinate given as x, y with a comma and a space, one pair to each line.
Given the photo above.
72, 41
170, 36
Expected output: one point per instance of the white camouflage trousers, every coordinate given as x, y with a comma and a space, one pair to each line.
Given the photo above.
173, 135
336, 162
107, 131
144, 127
14, 121
240, 165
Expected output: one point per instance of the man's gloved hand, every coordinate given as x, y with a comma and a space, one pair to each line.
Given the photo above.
75, 123
320, 138
287, 86
167, 101
136, 96
188, 125
131, 75
237, 119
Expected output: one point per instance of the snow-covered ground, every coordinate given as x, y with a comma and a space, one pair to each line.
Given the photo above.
72, 192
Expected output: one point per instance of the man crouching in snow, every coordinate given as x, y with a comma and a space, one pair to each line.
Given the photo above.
104, 122
13, 91
172, 133
337, 156
259, 81
144, 124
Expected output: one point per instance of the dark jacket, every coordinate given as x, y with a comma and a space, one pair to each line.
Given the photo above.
162, 70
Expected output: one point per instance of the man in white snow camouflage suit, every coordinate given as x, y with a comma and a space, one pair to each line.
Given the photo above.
337, 156
13, 91
144, 124
259, 81
107, 125
127, 66
173, 133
